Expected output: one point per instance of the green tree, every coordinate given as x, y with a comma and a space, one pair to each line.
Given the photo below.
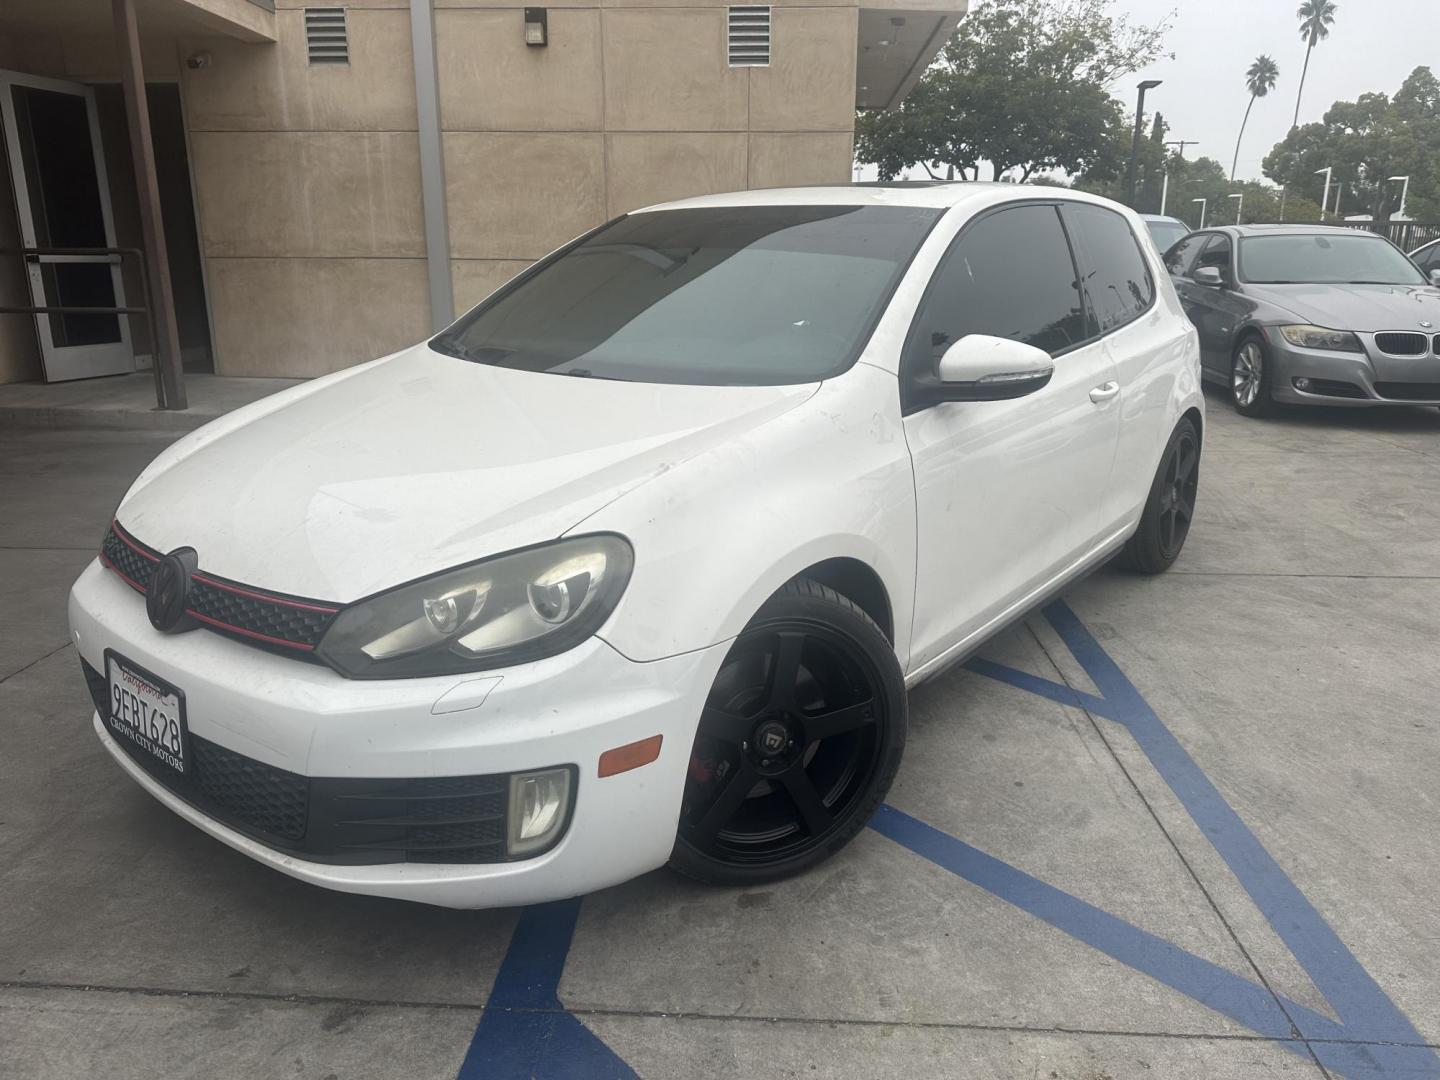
1367, 141
1023, 85
1316, 17
1259, 80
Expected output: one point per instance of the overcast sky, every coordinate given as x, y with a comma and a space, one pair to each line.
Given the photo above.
1373, 45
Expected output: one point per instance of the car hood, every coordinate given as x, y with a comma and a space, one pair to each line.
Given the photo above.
422, 462
1367, 308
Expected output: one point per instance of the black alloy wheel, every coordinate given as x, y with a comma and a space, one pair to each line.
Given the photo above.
799, 741
1170, 507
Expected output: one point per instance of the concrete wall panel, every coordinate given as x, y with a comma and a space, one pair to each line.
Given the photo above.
810, 83
490, 80
308, 193
275, 87
651, 168
666, 71
302, 317
518, 196
783, 160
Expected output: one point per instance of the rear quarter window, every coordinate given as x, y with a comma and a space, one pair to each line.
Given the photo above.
1114, 275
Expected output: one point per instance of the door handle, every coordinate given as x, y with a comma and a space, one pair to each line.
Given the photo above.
1105, 391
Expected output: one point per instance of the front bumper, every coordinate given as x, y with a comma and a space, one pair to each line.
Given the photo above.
1351, 379
306, 721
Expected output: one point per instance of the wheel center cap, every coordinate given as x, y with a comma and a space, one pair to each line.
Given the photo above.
771, 738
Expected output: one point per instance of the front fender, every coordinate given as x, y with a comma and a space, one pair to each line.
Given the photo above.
715, 537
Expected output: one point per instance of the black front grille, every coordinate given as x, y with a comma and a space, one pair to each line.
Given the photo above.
128, 561
268, 799
1409, 391
292, 625
244, 611
1435, 345
1402, 343
448, 819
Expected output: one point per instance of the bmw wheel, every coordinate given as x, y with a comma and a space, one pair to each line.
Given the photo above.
799, 741
1250, 380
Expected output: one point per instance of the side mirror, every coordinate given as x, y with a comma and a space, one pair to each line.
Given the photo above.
1435, 276
1210, 277
979, 367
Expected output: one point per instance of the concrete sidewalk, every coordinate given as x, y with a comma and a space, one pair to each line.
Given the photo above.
127, 402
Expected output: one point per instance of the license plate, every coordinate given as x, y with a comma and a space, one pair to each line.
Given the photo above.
147, 712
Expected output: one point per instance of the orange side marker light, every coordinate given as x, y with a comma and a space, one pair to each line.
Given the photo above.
630, 756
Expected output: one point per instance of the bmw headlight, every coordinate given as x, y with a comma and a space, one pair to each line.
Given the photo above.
506, 610
1318, 337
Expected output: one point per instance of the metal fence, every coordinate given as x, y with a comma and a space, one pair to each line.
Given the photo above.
1406, 235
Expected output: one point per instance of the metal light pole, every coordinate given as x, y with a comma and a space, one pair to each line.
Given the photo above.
1404, 191
1164, 189
1202, 203
1325, 199
1239, 206
1148, 84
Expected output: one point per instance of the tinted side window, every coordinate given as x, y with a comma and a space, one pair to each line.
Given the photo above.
1216, 254
1429, 259
1179, 257
1117, 281
1009, 275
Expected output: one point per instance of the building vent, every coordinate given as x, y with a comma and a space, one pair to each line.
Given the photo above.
749, 39
325, 37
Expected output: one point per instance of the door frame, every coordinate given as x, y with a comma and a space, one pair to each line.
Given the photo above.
60, 363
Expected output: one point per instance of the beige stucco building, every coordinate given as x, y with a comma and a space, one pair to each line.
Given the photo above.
290, 146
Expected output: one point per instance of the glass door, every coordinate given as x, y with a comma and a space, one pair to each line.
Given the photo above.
52, 138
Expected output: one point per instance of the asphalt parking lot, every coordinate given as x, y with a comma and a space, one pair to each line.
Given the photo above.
1172, 827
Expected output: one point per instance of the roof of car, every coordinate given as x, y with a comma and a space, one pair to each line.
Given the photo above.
1165, 218
1281, 230
935, 193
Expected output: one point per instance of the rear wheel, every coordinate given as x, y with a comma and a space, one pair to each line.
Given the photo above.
799, 741
1250, 379
1165, 520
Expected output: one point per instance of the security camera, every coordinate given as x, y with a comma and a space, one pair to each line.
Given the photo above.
198, 61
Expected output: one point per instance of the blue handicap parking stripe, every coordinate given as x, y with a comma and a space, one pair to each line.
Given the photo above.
525, 1031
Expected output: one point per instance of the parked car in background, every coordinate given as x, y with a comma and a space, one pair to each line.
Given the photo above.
1309, 314
1427, 257
636, 561
1165, 230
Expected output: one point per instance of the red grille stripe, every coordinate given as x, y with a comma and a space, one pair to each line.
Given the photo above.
105, 559
131, 544
230, 628
266, 597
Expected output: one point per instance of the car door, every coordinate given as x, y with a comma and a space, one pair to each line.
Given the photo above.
1215, 310
1007, 492
1142, 339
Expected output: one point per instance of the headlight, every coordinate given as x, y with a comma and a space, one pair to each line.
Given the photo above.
506, 610
1318, 337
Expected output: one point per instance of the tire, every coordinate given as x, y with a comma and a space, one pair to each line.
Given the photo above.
1251, 393
768, 795
1170, 506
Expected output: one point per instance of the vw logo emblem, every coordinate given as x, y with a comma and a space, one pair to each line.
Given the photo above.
168, 594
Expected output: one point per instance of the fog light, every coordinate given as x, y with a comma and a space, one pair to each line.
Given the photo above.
539, 805
1302, 384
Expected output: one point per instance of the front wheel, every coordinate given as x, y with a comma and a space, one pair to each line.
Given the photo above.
1165, 520
1250, 379
799, 741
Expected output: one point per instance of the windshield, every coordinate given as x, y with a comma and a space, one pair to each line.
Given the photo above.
753, 295
1325, 259
1166, 233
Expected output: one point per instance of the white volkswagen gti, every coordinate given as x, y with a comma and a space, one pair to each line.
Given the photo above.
635, 563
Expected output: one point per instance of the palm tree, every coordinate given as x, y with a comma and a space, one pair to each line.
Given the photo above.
1259, 80
1315, 18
